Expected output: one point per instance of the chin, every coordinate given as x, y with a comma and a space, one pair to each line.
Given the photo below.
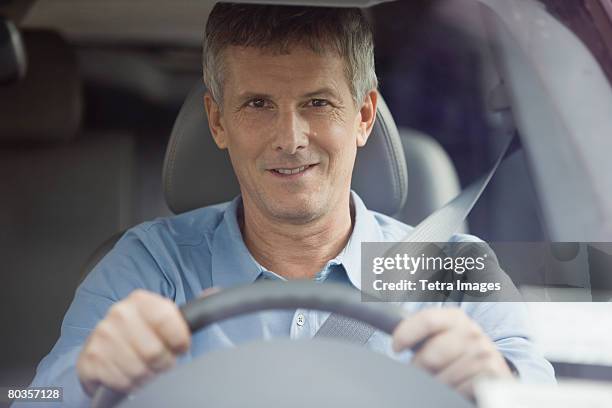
295, 211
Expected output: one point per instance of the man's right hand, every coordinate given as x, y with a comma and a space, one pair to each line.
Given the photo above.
139, 337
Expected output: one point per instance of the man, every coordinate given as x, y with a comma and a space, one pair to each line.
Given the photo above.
292, 97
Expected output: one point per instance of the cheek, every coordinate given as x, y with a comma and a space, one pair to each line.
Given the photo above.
339, 142
243, 156
247, 138
249, 120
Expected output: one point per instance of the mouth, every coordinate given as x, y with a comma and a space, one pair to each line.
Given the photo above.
291, 171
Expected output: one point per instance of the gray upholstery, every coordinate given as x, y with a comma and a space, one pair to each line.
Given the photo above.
433, 178
47, 104
197, 173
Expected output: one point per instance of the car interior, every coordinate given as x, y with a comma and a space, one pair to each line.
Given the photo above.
104, 130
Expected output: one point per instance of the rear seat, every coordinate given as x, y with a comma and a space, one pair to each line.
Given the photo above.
62, 192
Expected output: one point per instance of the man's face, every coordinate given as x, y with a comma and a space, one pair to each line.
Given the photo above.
292, 130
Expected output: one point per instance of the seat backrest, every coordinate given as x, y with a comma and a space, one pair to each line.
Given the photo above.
62, 192
197, 173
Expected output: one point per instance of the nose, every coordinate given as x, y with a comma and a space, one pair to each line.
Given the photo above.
291, 132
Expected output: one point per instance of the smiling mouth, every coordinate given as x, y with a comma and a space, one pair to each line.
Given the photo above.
292, 171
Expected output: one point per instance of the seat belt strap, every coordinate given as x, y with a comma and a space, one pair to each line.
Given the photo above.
439, 226
340, 327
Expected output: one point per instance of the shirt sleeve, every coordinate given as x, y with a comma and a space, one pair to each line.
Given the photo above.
508, 326
131, 264
506, 321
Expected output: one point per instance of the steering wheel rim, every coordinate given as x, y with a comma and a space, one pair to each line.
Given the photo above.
329, 297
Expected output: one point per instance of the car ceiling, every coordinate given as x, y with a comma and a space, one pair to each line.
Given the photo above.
139, 21
123, 21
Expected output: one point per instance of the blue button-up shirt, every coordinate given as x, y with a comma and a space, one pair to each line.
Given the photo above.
180, 256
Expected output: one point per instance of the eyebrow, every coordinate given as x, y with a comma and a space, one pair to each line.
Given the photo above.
319, 92
253, 95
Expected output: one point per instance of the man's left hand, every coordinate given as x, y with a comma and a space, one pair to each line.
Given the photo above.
452, 347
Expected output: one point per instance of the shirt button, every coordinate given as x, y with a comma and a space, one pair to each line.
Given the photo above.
300, 320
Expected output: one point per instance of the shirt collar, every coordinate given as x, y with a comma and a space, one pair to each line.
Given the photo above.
365, 229
233, 264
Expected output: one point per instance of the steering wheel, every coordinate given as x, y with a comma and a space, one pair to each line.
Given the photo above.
282, 372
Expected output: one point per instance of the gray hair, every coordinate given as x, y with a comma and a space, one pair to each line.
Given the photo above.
344, 31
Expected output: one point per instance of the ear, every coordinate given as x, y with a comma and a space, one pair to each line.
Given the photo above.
367, 115
215, 122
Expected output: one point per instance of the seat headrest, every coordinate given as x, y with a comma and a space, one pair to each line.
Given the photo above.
47, 104
197, 173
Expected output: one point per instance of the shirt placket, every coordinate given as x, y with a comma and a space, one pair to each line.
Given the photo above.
306, 322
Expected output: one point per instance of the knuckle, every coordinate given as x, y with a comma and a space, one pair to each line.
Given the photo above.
129, 383
90, 356
104, 330
119, 383
139, 295
430, 359
163, 363
152, 354
143, 374
431, 322
487, 367
165, 315
180, 344
478, 348
119, 311
168, 309
485, 346
491, 366
484, 356
137, 375
474, 337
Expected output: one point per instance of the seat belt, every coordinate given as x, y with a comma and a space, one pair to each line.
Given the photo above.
439, 226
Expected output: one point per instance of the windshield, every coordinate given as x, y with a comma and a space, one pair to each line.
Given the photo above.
88, 146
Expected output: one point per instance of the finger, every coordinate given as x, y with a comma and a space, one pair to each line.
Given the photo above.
460, 370
112, 377
165, 319
466, 388
440, 351
86, 369
480, 360
424, 324
94, 365
105, 373
112, 338
138, 341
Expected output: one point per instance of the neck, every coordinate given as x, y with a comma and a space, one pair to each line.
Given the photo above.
292, 251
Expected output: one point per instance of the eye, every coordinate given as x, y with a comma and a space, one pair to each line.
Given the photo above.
257, 103
319, 103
